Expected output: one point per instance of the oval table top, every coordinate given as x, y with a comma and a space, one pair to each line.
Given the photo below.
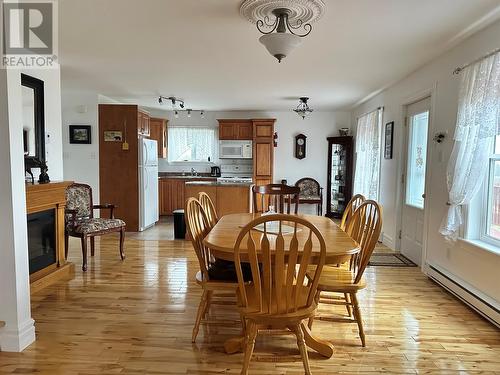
222, 238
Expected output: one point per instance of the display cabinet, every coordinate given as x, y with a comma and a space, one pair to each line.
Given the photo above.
340, 161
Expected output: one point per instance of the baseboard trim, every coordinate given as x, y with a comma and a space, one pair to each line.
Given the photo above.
388, 241
476, 300
16, 340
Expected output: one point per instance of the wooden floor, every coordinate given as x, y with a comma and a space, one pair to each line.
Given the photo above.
136, 316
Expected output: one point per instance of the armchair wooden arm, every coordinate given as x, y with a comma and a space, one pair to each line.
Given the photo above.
110, 207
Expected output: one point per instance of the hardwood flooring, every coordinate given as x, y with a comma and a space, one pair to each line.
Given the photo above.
136, 317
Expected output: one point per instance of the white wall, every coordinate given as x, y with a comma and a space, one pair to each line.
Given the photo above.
469, 264
81, 162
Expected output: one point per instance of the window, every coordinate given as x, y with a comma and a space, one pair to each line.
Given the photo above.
490, 228
417, 155
191, 144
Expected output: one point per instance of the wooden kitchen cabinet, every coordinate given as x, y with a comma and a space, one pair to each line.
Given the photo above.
232, 199
158, 132
235, 130
263, 151
171, 193
143, 120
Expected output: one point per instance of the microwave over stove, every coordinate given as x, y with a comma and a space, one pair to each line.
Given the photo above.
235, 149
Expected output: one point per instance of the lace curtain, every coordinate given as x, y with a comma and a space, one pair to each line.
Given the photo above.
366, 178
191, 144
477, 124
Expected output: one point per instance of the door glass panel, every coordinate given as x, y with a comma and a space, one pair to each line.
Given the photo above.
417, 152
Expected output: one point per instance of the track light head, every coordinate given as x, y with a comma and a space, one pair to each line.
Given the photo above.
189, 112
160, 100
181, 104
202, 114
176, 114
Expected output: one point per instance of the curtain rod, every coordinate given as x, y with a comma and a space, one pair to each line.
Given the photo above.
373, 110
459, 69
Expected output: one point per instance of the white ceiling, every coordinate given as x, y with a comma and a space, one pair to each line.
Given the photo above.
204, 52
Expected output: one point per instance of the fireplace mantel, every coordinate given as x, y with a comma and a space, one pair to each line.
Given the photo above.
42, 197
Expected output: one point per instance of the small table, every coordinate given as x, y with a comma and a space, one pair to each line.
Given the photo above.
339, 248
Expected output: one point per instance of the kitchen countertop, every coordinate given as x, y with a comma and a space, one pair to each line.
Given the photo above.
187, 177
214, 183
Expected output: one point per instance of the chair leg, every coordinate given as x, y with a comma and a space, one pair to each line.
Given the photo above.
302, 347
84, 253
348, 307
249, 345
316, 299
92, 246
199, 315
207, 303
66, 245
122, 239
357, 316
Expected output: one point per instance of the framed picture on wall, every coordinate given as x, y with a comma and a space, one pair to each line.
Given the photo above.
80, 134
389, 129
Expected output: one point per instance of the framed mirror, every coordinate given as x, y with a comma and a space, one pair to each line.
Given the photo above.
33, 119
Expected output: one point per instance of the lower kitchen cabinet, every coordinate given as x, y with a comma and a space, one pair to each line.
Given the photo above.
171, 195
228, 199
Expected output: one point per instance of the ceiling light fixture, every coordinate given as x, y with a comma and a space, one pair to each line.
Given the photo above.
303, 108
281, 34
172, 99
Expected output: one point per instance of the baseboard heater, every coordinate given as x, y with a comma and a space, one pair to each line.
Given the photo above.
466, 294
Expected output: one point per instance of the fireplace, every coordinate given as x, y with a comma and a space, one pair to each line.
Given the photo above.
42, 240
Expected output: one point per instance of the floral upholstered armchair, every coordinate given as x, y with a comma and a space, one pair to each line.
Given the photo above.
81, 223
310, 193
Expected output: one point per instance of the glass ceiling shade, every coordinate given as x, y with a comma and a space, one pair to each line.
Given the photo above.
280, 44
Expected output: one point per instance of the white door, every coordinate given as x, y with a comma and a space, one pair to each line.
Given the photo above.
412, 225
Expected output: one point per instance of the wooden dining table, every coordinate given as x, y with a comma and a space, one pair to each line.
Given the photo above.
339, 248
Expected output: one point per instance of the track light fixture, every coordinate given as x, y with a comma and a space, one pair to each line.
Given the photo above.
172, 99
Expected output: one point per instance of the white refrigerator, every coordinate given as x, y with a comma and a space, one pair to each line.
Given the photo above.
148, 183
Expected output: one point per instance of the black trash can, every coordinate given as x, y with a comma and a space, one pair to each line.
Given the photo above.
179, 224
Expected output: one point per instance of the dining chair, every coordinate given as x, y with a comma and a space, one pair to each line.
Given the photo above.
351, 207
209, 208
275, 195
81, 223
310, 193
278, 297
198, 227
364, 228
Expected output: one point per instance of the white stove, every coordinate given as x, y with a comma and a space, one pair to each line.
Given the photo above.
238, 174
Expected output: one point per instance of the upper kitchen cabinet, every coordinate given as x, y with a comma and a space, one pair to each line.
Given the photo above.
235, 130
143, 122
158, 132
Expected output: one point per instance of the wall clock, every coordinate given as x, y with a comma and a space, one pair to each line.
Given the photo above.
300, 146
